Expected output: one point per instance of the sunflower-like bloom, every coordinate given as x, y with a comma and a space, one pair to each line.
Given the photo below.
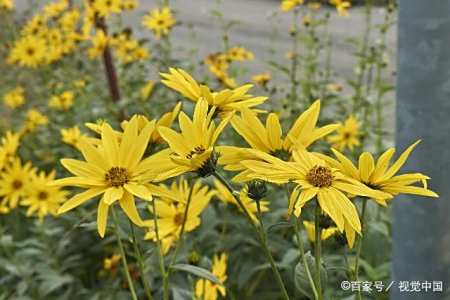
42, 199
33, 120
7, 4
269, 138
380, 176
14, 182
250, 205
166, 120
160, 21
341, 7
287, 5
73, 136
207, 290
314, 178
347, 135
63, 101
14, 98
325, 233
28, 51
193, 148
99, 43
170, 210
115, 170
8, 147
225, 101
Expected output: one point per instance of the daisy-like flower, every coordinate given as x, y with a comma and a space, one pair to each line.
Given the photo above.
8, 147
225, 196
111, 264
225, 101
171, 207
73, 136
28, 51
262, 78
207, 290
105, 8
7, 4
41, 199
63, 101
239, 54
287, 5
99, 43
160, 21
347, 135
314, 179
14, 98
14, 182
341, 7
115, 170
34, 119
166, 120
193, 148
269, 138
380, 176
325, 233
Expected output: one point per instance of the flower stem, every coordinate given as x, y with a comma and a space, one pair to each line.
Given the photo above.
260, 233
318, 250
302, 256
358, 250
122, 253
139, 257
162, 267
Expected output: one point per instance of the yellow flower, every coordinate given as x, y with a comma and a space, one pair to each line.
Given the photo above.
115, 170
105, 8
110, 263
207, 290
380, 176
224, 195
33, 120
42, 199
7, 4
73, 136
225, 101
314, 179
269, 138
129, 4
128, 49
28, 51
160, 21
99, 43
194, 146
239, 54
63, 101
171, 208
8, 149
14, 182
262, 78
287, 5
334, 87
14, 98
53, 9
147, 90
324, 234
4, 209
347, 135
341, 7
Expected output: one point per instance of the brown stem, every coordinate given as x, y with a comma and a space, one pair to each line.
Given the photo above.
110, 69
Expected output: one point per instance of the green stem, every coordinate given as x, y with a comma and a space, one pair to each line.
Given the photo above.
294, 63
301, 249
358, 250
260, 233
160, 255
139, 257
122, 253
318, 250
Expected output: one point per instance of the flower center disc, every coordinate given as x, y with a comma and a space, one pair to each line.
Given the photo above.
42, 195
117, 176
320, 176
179, 219
17, 184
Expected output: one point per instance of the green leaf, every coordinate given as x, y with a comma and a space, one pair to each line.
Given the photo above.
197, 271
282, 224
301, 279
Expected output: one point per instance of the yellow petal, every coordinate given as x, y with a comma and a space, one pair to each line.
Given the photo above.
129, 207
139, 190
366, 166
79, 199
113, 194
102, 217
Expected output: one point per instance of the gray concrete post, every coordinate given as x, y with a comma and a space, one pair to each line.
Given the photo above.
421, 232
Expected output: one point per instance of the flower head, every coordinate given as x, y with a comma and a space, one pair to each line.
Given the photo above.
347, 135
99, 43
160, 21
225, 101
14, 98
63, 101
14, 182
262, 78
170, 210
114, 169
287, 5
342, 7
193, 147
42, 199
207, 290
